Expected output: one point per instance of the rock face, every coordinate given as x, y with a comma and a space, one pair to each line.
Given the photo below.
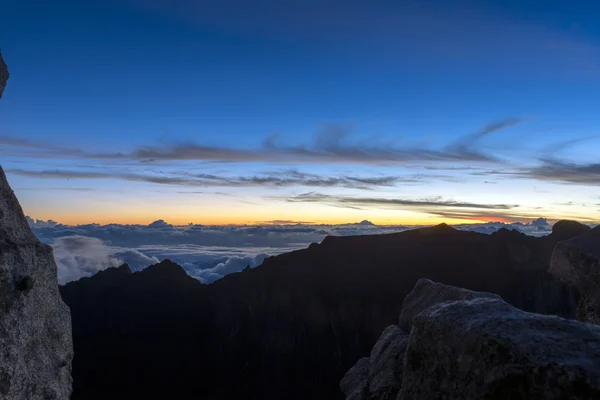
470, 345
385, 363
487, 349
355, 384
36, 348
577, 262
3, 75
427, 294
378, 376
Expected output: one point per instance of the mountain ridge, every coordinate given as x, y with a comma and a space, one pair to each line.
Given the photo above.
294, 325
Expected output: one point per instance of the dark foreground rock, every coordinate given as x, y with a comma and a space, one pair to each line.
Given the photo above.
427, 293
577, 262
488, 349
469, 345
35, 326
355, 384
386, 361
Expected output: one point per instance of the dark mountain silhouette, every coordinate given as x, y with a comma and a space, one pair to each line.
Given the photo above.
293, 326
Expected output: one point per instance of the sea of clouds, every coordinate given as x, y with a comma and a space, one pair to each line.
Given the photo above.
206, 252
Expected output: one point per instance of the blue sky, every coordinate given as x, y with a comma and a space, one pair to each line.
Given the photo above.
322, 111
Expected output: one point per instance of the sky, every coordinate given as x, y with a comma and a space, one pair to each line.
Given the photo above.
237, 112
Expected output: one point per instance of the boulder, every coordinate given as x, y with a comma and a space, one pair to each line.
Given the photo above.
386, 363
577, 262
36, 347
355, 384
485, 348
427, 293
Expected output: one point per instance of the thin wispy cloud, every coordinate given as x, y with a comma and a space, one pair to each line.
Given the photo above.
333, 144
283, 179
436, 206
564, 172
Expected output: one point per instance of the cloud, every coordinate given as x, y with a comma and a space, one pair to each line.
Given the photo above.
437, 205
563, 172
205, 252
282, 179
332, 144
80, 256
233, 264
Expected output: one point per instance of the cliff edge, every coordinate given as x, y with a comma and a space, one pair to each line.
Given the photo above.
36, 348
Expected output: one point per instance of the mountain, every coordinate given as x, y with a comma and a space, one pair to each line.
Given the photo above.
293, 326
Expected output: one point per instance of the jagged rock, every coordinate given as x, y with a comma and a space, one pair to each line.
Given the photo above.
385, 364
427, 293
487, 349
3, 75
36, 348
355, 384
577, 262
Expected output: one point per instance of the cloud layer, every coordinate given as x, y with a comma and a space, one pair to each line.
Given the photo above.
206, 252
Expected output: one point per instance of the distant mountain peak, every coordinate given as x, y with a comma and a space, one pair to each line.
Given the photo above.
443, 227
164, 269
365, 222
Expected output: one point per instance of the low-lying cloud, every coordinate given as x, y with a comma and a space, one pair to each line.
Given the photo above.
80, 256
207, 253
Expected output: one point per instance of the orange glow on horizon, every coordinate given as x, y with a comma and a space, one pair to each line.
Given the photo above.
423, 219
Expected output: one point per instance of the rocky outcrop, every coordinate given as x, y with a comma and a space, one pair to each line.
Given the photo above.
470, 345
385, 364
355, 384
487, 349
428, 293
378, 376
577, 262
386, 361
36, 348
3, 75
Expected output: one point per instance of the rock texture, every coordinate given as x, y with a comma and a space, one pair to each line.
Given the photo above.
378, 376
577, 262
487, 349
470, 345
355, 384
385, 364
428, 293
3, 75
35, 326
386, 361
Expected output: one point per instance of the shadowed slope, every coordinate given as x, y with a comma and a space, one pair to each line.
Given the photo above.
293, 326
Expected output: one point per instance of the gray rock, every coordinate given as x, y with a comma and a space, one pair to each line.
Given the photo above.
427, 293
386, 364
36, 347
577, 262
487, 349
3, 75
355, 384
